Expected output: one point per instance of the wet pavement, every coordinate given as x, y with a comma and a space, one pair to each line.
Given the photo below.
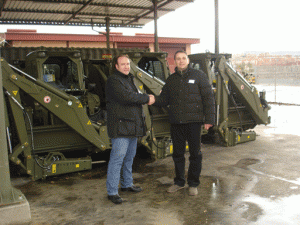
251, 183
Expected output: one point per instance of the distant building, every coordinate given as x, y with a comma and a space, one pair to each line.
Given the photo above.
266, 59
30, 38
270, 68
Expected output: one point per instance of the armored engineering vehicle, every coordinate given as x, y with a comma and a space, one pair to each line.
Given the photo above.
56, 110
55, 106
239, 106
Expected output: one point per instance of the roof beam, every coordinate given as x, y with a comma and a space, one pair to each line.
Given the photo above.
81, 2
152, 10
71, 13
50, 22
78, 11
2, 4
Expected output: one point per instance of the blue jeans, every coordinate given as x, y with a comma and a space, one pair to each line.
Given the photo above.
120, 164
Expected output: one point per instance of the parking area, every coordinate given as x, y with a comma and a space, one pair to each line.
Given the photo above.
251, 183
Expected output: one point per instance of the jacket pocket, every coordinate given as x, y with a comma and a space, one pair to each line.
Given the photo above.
126, 127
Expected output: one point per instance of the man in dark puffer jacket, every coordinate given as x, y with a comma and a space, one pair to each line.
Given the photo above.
190, 100
125, 122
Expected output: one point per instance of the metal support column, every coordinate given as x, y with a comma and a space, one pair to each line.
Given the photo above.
216, 27
155, 26
107, 23
14, 207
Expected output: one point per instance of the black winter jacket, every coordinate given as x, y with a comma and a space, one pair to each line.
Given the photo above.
124, 107
189, 97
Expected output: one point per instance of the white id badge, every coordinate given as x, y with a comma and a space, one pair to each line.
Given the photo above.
191, 81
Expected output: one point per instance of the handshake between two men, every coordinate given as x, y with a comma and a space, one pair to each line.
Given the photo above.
151, 100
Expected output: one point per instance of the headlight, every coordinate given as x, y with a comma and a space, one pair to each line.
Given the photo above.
41, 54
76, 55
137, 55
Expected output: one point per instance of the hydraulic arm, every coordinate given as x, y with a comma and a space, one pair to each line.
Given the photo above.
76, 130
239, 106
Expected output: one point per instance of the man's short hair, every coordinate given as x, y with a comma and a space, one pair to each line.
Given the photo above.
119, 56
179, 51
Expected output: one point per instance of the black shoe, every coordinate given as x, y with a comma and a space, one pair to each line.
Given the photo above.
132, 189
115, 199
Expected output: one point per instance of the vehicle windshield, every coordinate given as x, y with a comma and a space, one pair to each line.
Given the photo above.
61, 72
152, 66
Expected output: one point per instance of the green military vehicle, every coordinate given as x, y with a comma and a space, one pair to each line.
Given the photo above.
55, 105
239, 106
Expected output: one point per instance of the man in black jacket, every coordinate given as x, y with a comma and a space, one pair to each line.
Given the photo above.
125, 122
190, 100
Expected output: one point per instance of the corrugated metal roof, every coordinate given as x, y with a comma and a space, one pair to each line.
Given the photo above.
122, 13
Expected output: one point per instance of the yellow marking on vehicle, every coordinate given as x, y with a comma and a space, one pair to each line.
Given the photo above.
171, 149
54, 168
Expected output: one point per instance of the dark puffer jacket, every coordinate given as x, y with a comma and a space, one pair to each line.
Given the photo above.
124, 107
189, 97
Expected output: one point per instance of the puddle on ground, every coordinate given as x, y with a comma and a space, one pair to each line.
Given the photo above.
249, 211
219, 201
277, 211
244, 163
185, 209
241, 164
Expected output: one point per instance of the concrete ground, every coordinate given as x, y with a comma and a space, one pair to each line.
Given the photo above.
251, 183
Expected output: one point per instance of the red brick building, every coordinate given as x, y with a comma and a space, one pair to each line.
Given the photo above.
30, 38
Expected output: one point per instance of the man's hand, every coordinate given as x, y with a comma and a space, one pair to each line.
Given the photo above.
151, 99
207, 126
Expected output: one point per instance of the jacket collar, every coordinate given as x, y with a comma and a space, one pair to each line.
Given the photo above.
184, 72
117, 72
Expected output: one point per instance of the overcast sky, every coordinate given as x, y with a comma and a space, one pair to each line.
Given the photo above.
244, 25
